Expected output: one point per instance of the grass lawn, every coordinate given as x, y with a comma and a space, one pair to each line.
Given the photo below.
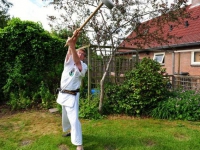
41, 130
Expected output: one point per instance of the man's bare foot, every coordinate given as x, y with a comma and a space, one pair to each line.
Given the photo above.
79, 147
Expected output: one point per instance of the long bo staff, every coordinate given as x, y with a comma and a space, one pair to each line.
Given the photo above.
108, 3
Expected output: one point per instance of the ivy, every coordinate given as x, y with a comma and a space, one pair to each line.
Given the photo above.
29, 55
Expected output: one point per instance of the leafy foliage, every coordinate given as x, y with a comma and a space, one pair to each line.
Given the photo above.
30, 55
64, 34
117, 101
183, 105
4, 16
89, 108
143, 88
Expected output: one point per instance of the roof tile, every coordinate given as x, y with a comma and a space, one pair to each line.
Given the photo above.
189, 34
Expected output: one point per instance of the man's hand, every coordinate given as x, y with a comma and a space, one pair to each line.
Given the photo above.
76, 33
72, 41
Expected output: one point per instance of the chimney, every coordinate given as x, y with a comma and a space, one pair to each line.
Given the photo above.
195, 3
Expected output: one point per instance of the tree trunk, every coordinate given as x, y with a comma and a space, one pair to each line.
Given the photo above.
102, 84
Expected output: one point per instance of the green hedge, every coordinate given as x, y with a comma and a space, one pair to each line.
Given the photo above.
30, 58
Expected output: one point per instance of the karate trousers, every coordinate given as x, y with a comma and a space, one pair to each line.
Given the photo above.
70, 121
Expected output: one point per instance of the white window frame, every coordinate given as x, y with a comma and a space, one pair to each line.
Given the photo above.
134, 56
192, 58
160, 61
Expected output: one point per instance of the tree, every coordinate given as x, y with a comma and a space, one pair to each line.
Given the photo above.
5, 3
110, 26
4, 16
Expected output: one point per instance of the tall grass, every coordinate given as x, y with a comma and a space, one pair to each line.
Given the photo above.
41, 130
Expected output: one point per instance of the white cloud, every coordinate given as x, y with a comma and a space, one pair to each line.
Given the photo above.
33, 10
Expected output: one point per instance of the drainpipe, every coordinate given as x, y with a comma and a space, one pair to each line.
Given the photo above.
179, 55
173, 63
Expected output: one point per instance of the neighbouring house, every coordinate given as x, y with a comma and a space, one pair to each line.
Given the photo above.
180, 56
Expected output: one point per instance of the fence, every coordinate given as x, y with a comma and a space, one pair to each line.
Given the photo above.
186, 82
121, 64
118, 66
183, 82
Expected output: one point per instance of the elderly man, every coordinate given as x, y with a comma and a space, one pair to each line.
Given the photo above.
68, 97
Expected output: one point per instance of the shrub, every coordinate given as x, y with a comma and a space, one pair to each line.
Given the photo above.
142, 89
89, 108
183, 105
117, 100
19, 101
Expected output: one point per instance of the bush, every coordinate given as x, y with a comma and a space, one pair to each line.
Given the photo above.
183, 105
30, 55
117, 100
89, 108
142, 89
20, 101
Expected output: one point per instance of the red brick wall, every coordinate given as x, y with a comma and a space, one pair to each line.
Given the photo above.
168, 63
183, 66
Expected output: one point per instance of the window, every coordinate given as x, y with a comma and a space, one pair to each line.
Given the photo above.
195, 58
159, 57
134, 57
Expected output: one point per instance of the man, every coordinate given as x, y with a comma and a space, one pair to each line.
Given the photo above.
68, 97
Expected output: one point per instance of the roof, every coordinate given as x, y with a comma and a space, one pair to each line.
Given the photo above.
188, 32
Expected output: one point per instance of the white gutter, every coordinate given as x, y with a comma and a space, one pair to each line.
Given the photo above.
192, 50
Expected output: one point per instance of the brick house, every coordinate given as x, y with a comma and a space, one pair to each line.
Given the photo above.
181, 56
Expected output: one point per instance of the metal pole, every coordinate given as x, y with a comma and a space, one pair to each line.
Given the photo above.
89, 72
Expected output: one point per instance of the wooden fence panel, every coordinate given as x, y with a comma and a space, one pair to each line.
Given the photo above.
116, 72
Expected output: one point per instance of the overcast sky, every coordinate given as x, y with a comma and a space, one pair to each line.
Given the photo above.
33, 10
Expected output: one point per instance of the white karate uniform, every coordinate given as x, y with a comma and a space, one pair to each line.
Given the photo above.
71, 80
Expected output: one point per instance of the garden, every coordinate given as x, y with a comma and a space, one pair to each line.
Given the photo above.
41, 130
138, 113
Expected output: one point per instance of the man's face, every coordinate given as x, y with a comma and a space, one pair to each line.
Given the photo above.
81, 54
